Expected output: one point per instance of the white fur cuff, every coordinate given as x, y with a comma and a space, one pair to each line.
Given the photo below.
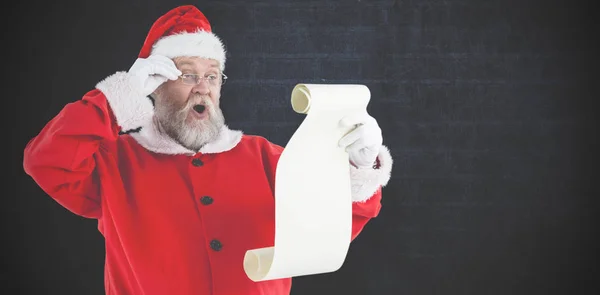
131, 108
366, 181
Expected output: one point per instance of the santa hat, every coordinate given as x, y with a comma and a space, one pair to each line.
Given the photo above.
183, 31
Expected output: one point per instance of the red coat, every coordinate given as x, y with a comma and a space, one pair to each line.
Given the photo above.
174, 221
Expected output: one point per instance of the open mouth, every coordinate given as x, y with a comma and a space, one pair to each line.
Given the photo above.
199, 108
200, 112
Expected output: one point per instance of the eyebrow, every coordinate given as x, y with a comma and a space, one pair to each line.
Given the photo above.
184, 63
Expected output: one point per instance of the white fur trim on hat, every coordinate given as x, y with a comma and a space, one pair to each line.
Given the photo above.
366, 181
201, 43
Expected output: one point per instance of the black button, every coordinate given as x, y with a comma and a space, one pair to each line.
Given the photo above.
197, 162
216, 245
206, 200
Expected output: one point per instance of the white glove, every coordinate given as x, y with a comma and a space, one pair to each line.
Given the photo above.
149, 73
363, 142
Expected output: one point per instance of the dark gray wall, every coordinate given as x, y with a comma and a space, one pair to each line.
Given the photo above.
482, 103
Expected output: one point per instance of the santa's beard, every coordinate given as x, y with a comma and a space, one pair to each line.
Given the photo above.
174, 120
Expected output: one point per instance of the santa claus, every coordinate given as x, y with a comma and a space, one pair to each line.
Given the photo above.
179, 197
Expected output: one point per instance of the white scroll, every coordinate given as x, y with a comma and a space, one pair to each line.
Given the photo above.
313, 205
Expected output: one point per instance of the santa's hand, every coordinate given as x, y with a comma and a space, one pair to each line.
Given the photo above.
149, 73
363, 142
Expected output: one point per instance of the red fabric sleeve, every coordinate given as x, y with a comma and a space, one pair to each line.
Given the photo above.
60, 159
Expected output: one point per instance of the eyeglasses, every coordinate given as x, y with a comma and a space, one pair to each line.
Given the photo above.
212, 79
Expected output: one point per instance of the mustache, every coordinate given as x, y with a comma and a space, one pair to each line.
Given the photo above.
196, 100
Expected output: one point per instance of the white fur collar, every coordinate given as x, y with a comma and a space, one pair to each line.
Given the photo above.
152, 139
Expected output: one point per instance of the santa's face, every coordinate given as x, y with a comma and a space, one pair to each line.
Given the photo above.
190, 112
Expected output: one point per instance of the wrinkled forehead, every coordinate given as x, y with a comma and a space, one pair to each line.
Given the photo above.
196, 63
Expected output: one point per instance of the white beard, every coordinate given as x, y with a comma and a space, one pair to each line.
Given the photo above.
171, 120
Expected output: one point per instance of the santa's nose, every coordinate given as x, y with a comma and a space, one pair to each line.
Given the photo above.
201, 88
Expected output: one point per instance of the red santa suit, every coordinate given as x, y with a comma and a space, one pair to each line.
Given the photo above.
175, 221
